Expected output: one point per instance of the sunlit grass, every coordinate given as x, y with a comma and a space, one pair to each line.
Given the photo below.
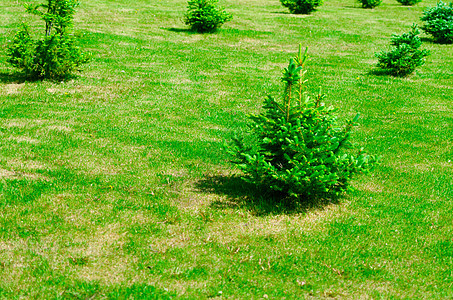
114, 183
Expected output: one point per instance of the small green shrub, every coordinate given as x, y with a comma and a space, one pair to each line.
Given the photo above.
370, 3
405, 55
439, 22
301, 6
205, 16
56, 55
409, 2
296, 146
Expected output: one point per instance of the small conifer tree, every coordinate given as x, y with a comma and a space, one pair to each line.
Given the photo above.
301, 6
56, 55
297, 147
205, 16
404, 56
439, 22
409, 2
370, 3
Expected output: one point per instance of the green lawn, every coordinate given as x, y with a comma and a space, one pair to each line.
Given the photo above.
115, 184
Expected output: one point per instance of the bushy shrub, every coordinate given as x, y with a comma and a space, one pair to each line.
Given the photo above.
370, 3
439, 22
405, 54
296, 146
205, 16
301, 6
409, 2
56, 55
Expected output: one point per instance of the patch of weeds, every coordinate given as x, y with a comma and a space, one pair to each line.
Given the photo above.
134, 246
138, 243
167, 263
145, 229
206, 215
41, 266
347, 227
5, 228
167, 179
139, 291
21, 191
26, 231
6, 293
82, 290
167, 213
125, 204
195, 273
304, 285
443, 250
79, 261
66, 176
213, 292
246, 287
158, 267
369, 271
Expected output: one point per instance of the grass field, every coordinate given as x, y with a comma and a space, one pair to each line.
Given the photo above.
114, 184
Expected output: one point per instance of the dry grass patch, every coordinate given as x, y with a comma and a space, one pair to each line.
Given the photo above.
12, 88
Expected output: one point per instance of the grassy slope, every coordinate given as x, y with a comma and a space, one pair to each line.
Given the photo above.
114, 183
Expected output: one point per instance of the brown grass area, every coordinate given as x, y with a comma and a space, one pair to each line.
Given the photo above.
12, 88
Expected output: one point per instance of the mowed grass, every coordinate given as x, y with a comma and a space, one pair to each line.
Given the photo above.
114, 184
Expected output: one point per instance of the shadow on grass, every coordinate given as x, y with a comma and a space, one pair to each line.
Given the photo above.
433, 41
260, 201
378, 72
385, 72
426, 39
6, 77
287, 13
18, 77
281, 12
179, 30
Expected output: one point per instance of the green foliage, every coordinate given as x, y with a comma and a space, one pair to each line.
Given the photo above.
405, 55
370, 3
301, 6
298, 148
56, 55
439, 22
409, 2
205, 16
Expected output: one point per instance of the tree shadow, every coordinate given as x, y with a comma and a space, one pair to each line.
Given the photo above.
426, 39
293, 14
258, 200
179, 30
385, 72
378, 72
19, 77
433, 41
6, 77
